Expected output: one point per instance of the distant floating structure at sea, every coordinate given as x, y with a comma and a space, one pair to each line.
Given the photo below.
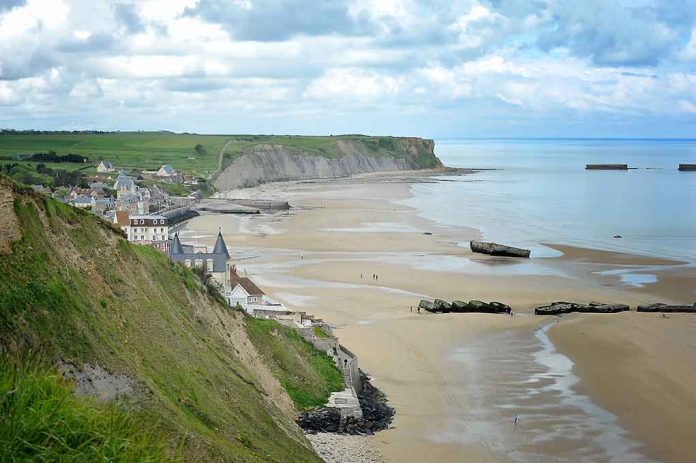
687, 167
606, 166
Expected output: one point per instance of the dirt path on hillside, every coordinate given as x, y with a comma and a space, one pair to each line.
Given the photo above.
222, 153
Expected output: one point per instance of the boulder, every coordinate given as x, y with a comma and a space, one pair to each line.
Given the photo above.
477, 306
442, 306
500, 307
667, 308
460, 307
427, 305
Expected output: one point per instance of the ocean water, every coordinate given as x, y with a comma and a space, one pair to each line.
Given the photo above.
540, 192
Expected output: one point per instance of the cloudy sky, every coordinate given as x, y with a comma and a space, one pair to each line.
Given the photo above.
476, 68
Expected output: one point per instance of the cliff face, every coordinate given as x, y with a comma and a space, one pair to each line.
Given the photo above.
125, 318
343, 156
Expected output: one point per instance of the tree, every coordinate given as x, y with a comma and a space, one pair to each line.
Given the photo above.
200, 149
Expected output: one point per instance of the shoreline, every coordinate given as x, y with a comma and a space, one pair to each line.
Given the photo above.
312, 258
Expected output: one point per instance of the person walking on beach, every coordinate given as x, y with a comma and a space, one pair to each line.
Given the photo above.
514, 420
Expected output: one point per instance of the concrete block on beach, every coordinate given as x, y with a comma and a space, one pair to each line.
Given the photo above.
427, 306
442, 306
606, 167
667, 308
495, 249
560, 308
474, 306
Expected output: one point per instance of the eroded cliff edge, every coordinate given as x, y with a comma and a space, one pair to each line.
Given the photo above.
334, 157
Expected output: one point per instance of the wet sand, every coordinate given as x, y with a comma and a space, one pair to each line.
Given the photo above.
643, 368
456, 380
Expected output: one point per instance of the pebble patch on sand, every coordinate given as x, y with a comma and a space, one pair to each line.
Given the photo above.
344, 448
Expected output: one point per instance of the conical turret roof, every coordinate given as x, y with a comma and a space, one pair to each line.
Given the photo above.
176, 245
220, 246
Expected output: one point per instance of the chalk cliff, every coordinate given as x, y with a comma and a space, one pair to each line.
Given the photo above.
343, 156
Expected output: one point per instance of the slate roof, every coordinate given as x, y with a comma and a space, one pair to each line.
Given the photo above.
248, 285
176, 248
167, 169
219, 255
220, 246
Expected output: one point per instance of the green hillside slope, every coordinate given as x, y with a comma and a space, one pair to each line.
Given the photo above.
72, 288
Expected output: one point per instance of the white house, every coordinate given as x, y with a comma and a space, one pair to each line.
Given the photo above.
151, 230
248, 296
106, 166
166, 171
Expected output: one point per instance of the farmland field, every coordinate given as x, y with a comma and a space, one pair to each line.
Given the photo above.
127, 150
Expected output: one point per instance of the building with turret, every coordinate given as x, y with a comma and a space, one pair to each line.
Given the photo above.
217, 263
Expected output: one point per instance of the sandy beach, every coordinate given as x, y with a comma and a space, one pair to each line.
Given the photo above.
585, 388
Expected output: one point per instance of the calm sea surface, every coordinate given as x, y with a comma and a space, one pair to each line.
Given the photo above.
540, 192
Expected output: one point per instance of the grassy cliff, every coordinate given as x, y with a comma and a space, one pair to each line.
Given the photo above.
73, 290
309, 376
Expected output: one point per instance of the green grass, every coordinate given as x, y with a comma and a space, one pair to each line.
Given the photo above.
320, 333
308, 376
41, 420
75, 289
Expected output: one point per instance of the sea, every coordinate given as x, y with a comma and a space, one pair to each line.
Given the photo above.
535, 191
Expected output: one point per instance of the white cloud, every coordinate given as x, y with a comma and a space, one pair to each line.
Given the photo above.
397, 56
353, 84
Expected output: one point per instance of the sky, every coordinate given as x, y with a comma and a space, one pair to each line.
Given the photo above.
468, 68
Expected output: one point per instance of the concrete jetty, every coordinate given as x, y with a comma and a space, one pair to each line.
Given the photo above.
224, 207
606, 167
263, 204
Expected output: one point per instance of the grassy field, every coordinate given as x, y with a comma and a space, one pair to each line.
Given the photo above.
127, 150
73, 288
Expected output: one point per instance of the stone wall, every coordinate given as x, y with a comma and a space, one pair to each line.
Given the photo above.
348, 363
